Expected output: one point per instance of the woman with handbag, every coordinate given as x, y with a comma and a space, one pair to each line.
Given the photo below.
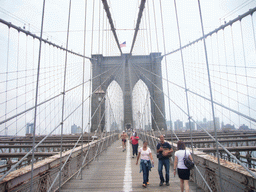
183, 171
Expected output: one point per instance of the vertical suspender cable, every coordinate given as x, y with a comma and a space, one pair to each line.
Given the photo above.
253, 30
155, 24
226, 62
92, 26
26, 60
167, 76
185, 82
149, 28
36, 97
102, 37
218, 48
6, 74
17, 80
63, 93
146, 29
99, 29
234, 57
83, 88
210, 89
248, 98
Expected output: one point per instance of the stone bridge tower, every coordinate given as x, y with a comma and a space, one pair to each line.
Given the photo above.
130, 75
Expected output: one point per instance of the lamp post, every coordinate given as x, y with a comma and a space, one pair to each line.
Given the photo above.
100, 94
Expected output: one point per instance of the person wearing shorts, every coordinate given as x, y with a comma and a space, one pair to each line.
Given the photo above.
123, 138
183, 171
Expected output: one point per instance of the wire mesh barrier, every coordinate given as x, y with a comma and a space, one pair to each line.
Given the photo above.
234, 177
46, 170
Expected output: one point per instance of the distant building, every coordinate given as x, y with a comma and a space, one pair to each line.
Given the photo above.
209, 125
169, 125
243, 127
178, 125
75, 129
202, 125
227, 127
193, 125
29, 128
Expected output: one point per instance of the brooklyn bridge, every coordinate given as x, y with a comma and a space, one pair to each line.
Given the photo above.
75, 74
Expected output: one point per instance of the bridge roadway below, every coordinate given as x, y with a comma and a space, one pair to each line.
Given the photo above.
115, 170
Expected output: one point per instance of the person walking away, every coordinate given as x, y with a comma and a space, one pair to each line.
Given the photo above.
164, 150
123, 138
135, 143
145, 164
183, 171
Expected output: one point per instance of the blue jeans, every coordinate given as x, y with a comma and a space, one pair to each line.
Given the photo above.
166, 164
135, 149
145, 170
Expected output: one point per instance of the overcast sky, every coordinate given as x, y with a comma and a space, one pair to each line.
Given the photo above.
27, 15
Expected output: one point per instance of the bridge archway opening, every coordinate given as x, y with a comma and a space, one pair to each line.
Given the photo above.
114, 106
141, 107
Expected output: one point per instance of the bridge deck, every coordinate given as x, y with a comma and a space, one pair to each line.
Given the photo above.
116, 171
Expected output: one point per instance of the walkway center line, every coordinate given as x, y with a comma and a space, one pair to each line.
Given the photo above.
128, 171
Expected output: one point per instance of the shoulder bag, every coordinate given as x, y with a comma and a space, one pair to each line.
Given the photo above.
187, 161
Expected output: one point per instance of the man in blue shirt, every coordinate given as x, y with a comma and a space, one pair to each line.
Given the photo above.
164, 150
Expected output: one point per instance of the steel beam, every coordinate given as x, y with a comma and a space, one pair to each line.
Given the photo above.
18, 155
242, 148
40, 146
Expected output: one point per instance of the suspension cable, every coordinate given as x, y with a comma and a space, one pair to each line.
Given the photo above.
210, 89
106, 7
85, 13
41, 39
142, 6
166, 73
245, 67
36, 98
240, 17
215, 102
185, 83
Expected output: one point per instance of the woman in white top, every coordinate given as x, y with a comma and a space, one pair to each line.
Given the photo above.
183, 171
145, 164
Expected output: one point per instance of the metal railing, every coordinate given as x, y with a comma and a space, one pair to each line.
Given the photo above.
46, 170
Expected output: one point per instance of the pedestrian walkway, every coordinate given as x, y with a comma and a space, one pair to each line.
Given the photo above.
116, 170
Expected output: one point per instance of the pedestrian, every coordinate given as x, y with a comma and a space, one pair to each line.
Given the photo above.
183, 171
249, 159
123, 138
135, 143
164, 151
145, 164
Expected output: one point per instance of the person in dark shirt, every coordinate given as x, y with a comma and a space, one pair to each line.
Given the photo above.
164, 150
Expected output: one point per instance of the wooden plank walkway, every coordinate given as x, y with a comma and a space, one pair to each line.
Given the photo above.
115, 170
